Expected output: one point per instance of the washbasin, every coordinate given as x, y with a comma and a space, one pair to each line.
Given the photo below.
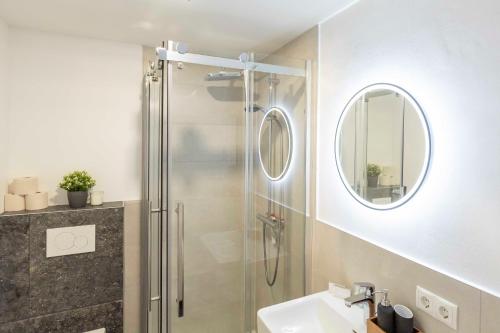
317, 313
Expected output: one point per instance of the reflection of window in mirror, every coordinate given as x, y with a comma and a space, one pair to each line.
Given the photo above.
382, 145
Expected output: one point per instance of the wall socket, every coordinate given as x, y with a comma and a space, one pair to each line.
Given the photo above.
438, 307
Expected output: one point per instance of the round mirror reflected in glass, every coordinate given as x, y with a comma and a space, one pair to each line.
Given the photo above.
275, 143
382, 146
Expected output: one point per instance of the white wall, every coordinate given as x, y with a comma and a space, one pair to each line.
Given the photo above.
3, 110
446, 54
75, 104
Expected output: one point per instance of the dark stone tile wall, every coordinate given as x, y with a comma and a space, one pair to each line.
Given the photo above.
82, 279
14, 268
108, 316
66, 293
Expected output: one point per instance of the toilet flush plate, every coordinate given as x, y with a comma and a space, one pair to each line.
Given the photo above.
70, 240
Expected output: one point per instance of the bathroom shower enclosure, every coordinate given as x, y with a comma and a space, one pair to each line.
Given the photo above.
222, 237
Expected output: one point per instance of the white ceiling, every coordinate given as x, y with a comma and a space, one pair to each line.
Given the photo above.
213, 26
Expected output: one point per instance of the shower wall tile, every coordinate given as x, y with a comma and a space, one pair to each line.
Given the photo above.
66, 282
14, 267
490, 310
108, 316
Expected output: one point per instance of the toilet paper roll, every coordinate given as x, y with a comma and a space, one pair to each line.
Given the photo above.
24, 185
96, 198
13, 202
37, 201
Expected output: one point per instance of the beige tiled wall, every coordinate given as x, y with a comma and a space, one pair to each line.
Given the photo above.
344, 259
132, 267
490, 313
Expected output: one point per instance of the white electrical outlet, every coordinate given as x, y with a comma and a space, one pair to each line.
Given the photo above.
446, 312
425, 300
436, 306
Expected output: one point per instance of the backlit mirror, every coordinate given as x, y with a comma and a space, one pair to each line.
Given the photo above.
382, 146
275, 143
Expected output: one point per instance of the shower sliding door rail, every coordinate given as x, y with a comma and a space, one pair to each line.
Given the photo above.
167, 55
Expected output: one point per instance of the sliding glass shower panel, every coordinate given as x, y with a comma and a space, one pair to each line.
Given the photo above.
205, 199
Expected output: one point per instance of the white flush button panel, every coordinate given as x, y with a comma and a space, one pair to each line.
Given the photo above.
438, 307
101, 330
70, 240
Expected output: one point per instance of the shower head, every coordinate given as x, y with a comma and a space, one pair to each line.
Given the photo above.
222, 76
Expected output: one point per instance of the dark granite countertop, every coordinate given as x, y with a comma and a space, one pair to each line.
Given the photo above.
64, 208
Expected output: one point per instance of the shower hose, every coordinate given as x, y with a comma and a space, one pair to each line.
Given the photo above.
272, 280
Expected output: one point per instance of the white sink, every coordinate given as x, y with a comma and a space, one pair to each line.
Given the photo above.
316, 313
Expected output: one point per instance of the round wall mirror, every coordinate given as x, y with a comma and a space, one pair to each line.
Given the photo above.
275, 143
382, 146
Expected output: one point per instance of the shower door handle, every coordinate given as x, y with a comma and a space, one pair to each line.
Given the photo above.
150, 206
180, 258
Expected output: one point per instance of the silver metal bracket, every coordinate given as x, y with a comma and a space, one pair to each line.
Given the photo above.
244, 57
161, 52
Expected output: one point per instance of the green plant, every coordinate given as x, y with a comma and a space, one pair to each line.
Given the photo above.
373, 170
77, 181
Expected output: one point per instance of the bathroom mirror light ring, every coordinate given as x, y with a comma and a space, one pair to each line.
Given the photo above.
411, 139
278, 116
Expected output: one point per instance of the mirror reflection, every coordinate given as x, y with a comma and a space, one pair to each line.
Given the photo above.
275, 143
382, 146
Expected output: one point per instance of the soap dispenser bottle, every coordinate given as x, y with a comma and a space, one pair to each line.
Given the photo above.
385, 313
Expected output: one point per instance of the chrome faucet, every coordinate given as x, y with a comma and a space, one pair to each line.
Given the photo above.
362, 292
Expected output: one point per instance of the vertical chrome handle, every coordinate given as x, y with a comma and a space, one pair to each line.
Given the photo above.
150, 208
180, 258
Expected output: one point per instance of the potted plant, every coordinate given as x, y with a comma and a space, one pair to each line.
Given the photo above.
78, 184
373, 171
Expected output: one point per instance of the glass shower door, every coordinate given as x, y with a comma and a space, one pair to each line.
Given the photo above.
226, 226
206, 154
